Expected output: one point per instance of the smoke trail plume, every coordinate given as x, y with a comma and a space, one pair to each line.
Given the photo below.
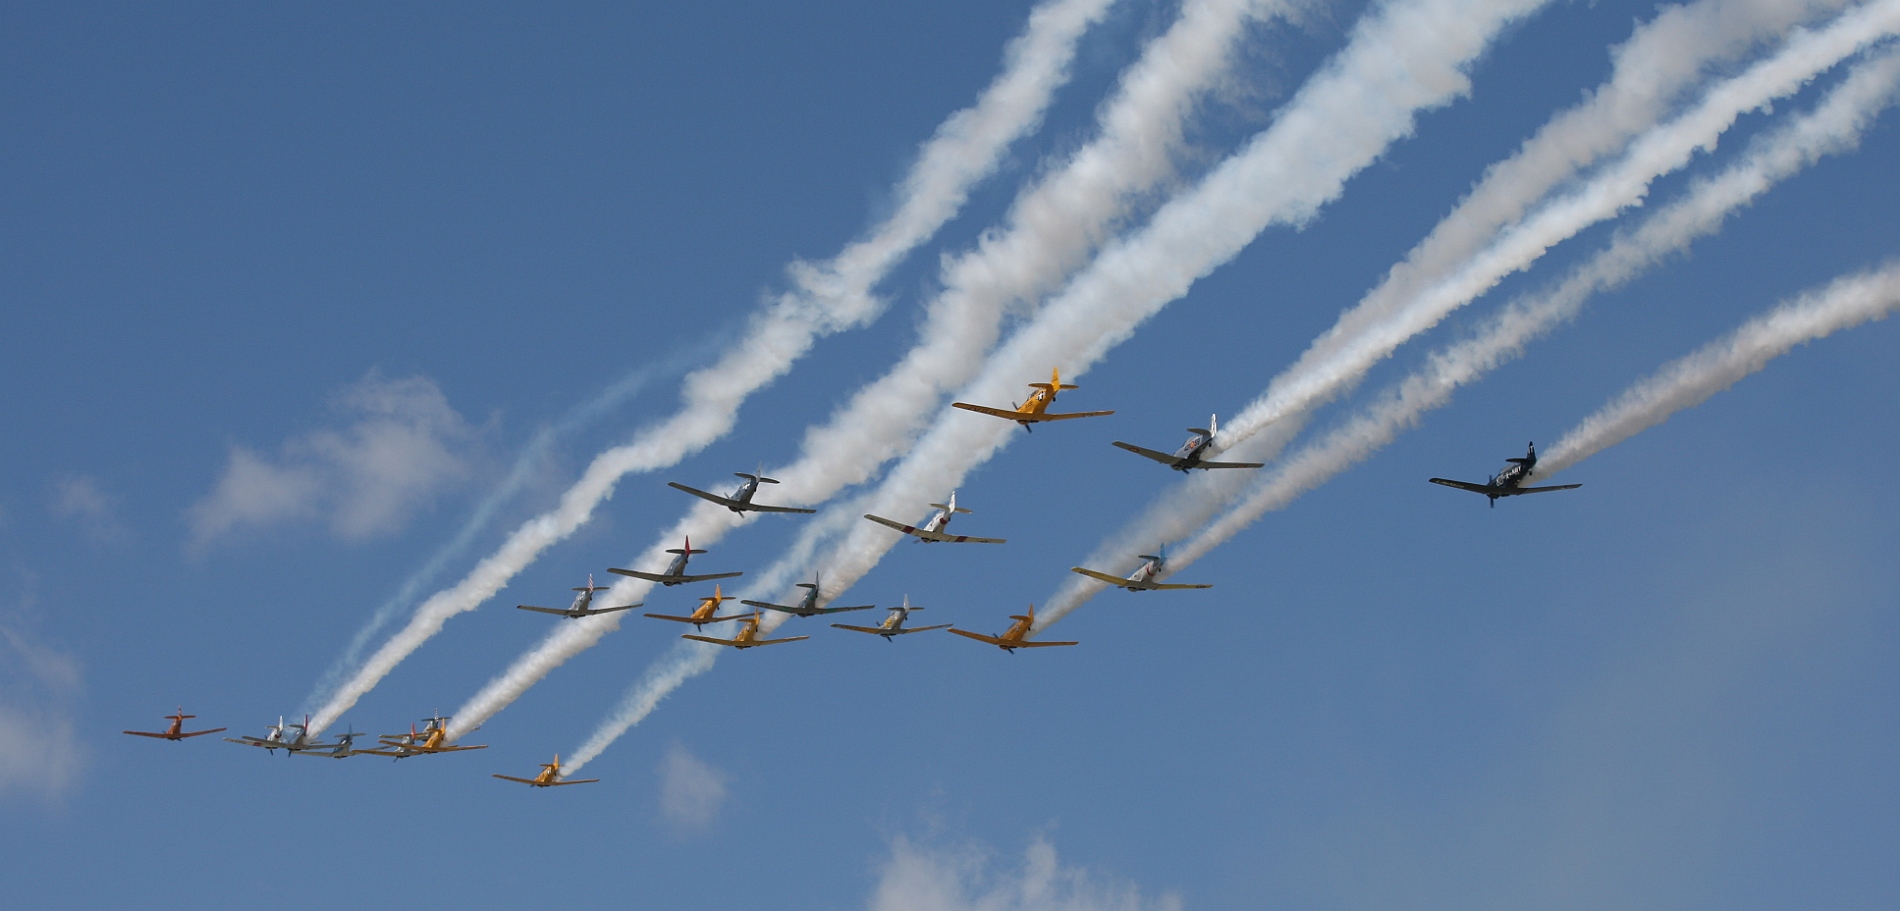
829, 298
1843, 304
1383, 320
1048, 231
1834, 126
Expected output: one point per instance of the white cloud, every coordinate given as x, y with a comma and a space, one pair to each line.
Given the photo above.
691, 792
39, 751
923, 879
80, 499
399, 447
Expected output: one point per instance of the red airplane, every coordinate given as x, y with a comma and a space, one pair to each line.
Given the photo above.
177, 730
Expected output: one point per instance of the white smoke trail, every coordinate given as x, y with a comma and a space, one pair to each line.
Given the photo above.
1844, 303
1341, 358
1834, 126
1048, 231
1403, 57
829, 298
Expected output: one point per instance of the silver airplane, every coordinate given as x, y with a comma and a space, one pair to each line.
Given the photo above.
275, 738
1507, 483
675, 571
1192, 453
583, 604
1142, 579
344, 748
808, 605
932, 529
741, 499
893, 625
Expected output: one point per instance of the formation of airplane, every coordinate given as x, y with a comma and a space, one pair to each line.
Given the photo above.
932, 529
1016, 636
706, 612
550, 776
432, 737
176, 731
893, 624
1142, 579
1035, 409
583, 604
1193, 453
675, 573
808, 605
748, 636
1508, 483
741, 499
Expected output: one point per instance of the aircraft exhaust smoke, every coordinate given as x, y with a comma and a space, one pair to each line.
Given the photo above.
1835, 125
830, 297
1048, 231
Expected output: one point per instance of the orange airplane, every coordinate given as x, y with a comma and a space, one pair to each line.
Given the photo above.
550, 776
1014, 637
748, 636
177, 730
1036, 409
432, 739
706, 612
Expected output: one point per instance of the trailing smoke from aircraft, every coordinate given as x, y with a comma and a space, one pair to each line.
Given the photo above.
1048, 231
1844, 303
1315, 379
830, 297
1834, 126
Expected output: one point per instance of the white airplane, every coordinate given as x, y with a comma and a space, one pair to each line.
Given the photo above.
741, 499
932, 529
675, 571
1507, 483
1142, 579
893, 625
808, 605
1192, 453
344, 748
582, 606
274, 738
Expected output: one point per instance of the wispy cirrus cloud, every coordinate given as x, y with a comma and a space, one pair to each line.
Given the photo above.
81, 500
396, 446
920, 878
39, 749
691, 791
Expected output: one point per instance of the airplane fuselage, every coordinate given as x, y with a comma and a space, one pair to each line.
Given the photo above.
1190, 453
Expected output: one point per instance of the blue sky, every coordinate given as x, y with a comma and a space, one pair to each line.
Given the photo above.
382, 250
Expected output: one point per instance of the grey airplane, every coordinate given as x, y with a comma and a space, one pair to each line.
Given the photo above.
893, 625
675, 571
583, 604
1507, 483
344, 748
1192, 454
276, 738
741, 499
932, 529
1142, 579
808, 605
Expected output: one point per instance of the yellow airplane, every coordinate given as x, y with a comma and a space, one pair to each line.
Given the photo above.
706, 612
748, 636
1015, 637
550, 776
432, 739
1036, 409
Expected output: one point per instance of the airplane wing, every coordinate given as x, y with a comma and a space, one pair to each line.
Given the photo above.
1119, 581
769, 606
1011, 415
527, 781
1230, 464
1032, 643
1065, 417
1162, 457
774, 641
1485, 489
915, 629
665, 579
862, 629
711, 639
195, 733
606, 610
556, 784
542, 610
454, 749
993, 640
1522, 490
938, 536
691, 620
754, 507
840, 610
256, 742
723, 501
702, 577
1170, 586
159, 736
